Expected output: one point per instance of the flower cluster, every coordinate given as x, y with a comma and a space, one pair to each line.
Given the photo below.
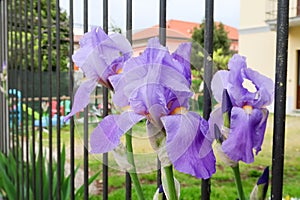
244, 94
155, 86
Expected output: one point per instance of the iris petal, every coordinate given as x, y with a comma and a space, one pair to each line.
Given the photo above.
219, 83
82, 96
182, 56
106, 136
186, 142
99, 52
265, 88
243, 135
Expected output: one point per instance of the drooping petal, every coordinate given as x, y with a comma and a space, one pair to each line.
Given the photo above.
82, 96
185, 143
259, 135
241, 140
106, 136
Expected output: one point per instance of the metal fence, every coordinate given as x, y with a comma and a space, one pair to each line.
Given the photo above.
26, 45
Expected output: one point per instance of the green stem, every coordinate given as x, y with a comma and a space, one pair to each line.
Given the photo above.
238, 182
132, 171
170, 182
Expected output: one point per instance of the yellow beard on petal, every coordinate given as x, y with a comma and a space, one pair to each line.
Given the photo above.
120, 71
126, 108
179, 110
248, 109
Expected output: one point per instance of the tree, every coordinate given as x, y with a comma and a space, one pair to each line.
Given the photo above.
220, 38
18, 23
221, 45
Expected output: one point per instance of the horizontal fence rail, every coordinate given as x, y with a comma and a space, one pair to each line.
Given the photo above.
37, 84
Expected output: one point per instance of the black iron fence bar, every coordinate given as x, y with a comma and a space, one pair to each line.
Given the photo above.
85, 131
9, 64
32, 54
59, 169
2, 95
49, 40
1, 41
105, 111
39, 55
16, 80
20, 87
162, 39
1, 61
208, 65
7, 138
280, 99
26, 101
71, 85
129, 37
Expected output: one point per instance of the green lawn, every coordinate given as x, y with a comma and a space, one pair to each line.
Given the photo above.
223, 186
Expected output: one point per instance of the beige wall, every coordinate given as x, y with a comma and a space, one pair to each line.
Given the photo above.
294, 45
252, 13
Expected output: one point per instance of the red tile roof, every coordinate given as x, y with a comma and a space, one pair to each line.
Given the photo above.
181, 29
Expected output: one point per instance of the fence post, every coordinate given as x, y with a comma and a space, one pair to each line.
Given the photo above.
105, 109
208, 65
85, 139
162, 40
280, 99
129, 38
71, 85
1, 62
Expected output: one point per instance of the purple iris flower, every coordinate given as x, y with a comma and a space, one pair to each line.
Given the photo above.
100, 56
249, 93
156, 86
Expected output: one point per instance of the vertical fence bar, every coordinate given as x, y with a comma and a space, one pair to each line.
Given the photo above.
26, 100
1, 62
32, 63
280, 99
105, 110
39, 54
7, 137
162, 21
49, 40
129, 37
57, 18
9, 47
162, 39
6, 130
71, 85
20, 88
13, 76
15, 101
208, 65
5, 32
85, 132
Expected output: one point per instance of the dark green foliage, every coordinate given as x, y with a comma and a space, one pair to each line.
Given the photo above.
30, 33
9, 171
221, 46
220, 39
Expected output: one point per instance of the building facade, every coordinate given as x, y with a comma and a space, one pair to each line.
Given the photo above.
257, 41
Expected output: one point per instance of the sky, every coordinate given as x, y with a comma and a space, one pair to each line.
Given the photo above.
146, 12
